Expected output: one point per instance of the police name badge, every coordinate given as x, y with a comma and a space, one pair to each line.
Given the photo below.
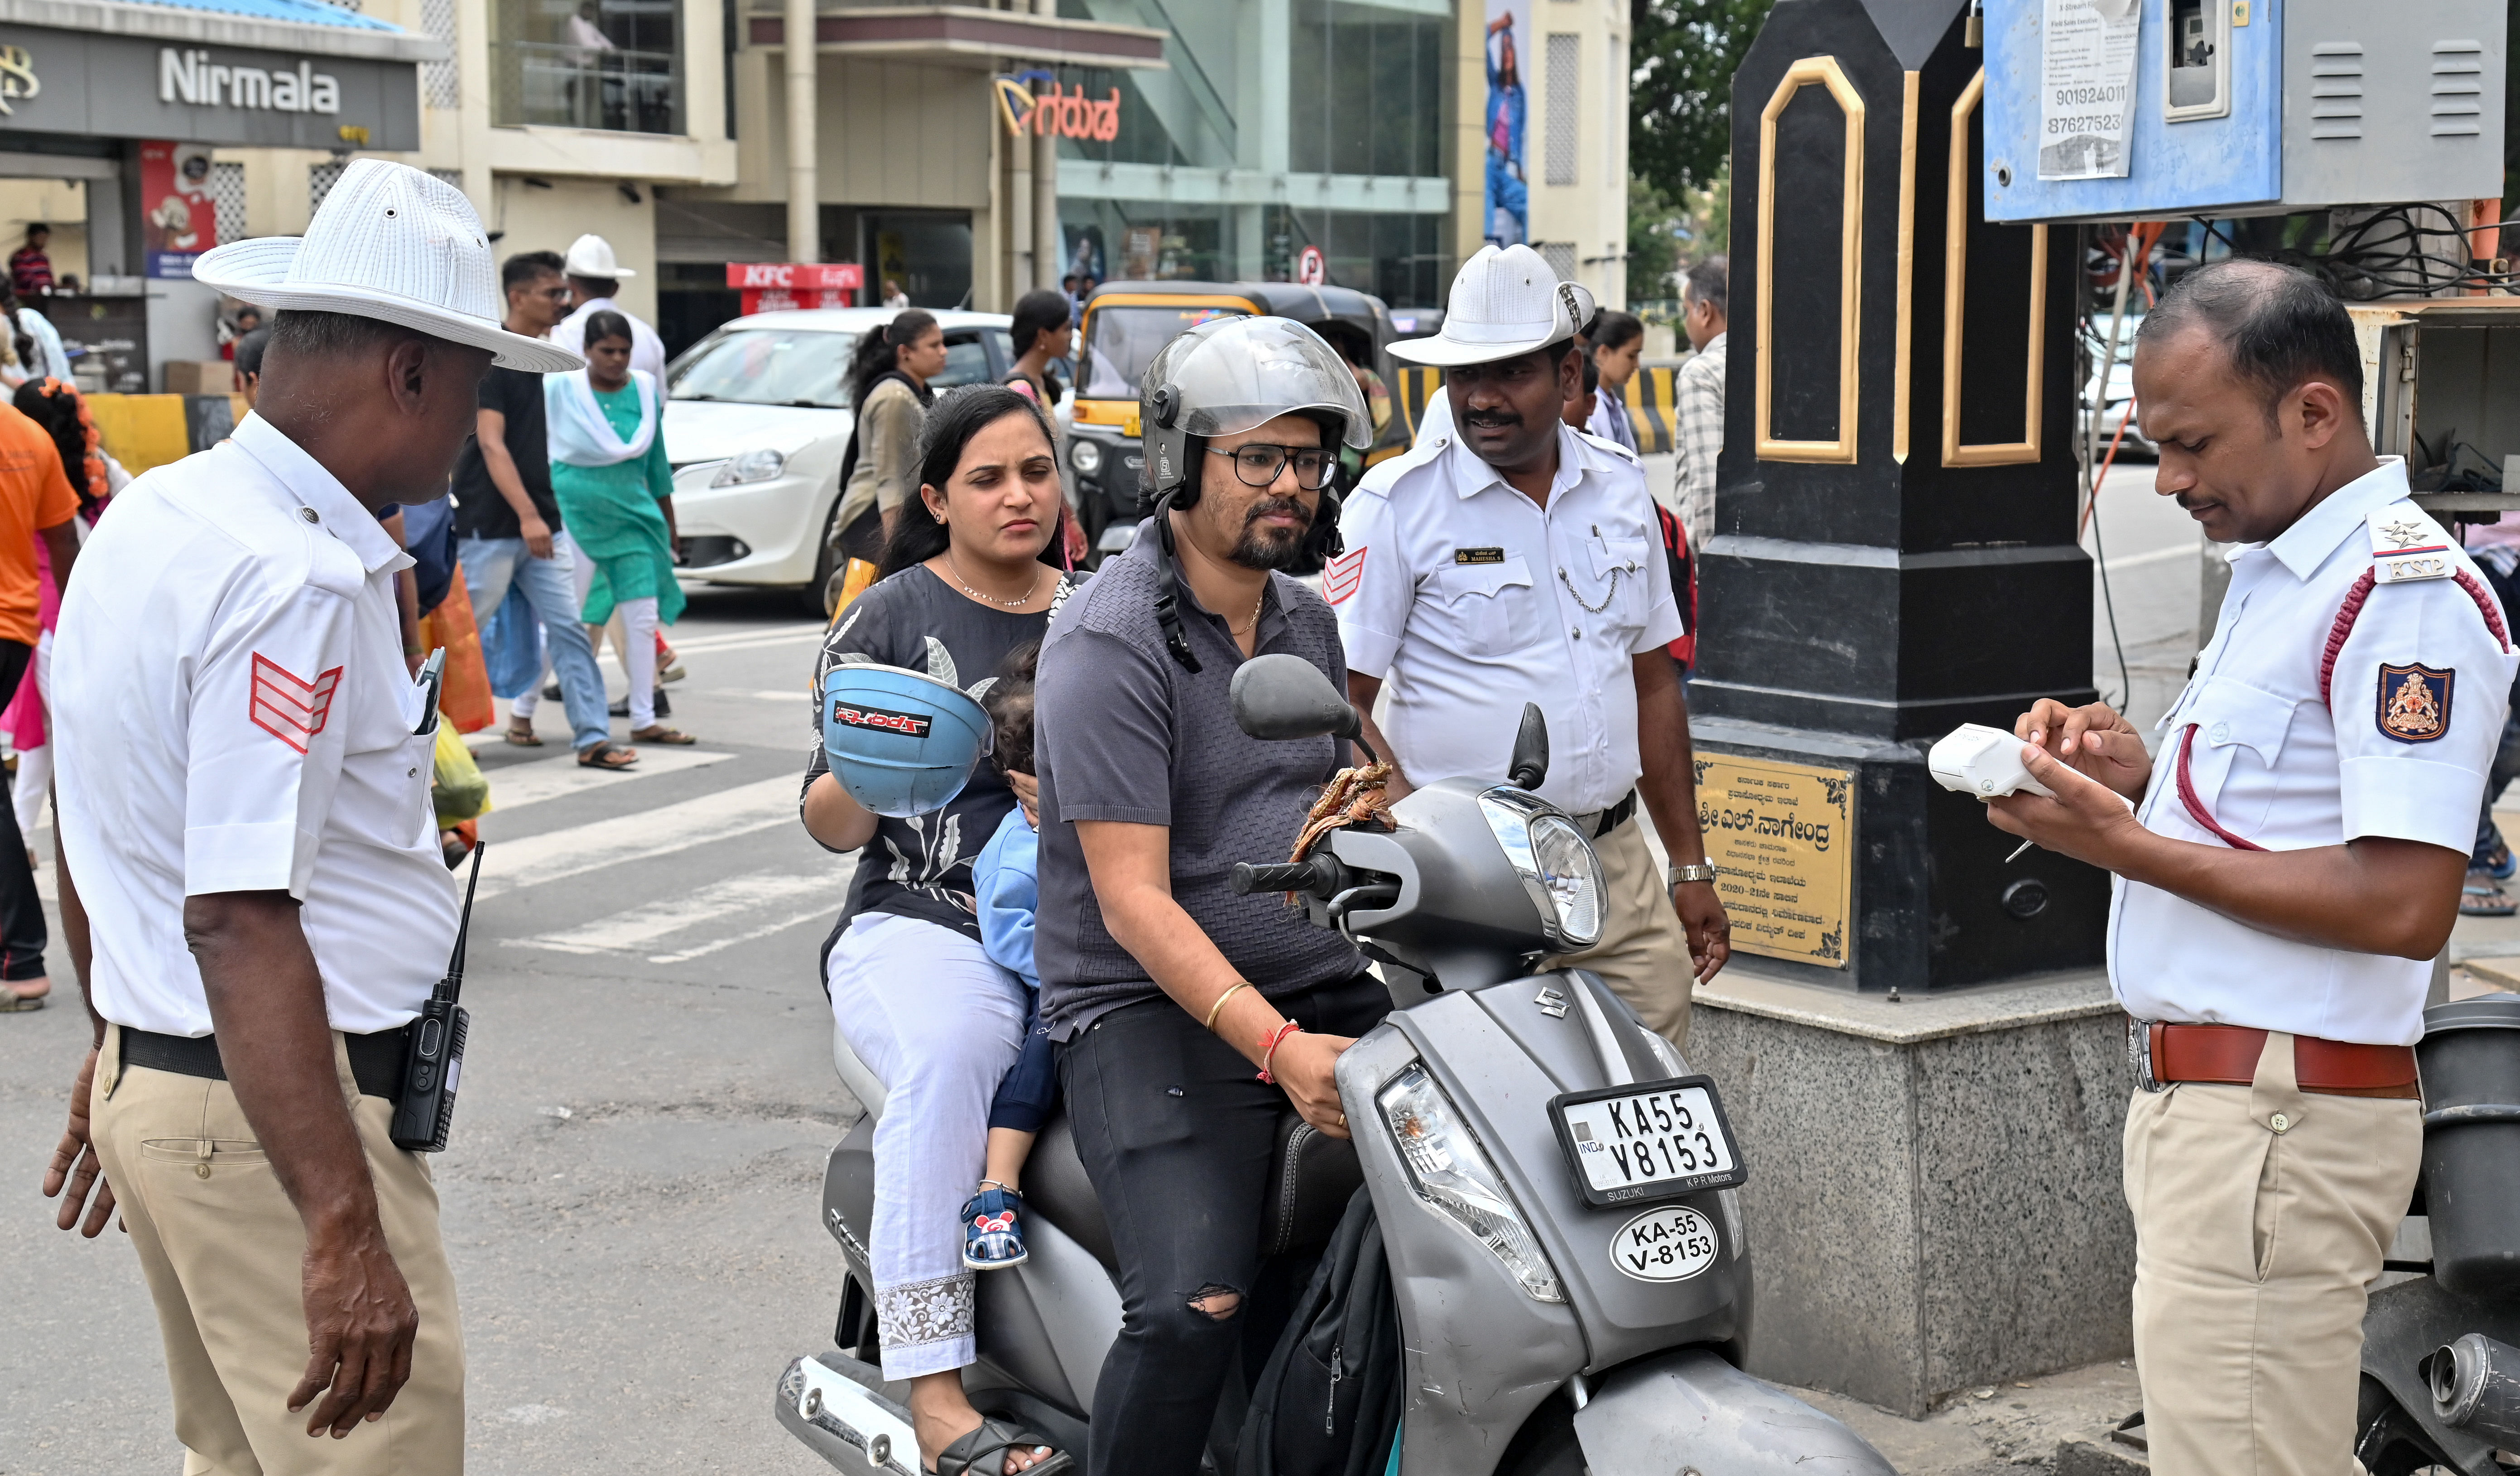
1478, 556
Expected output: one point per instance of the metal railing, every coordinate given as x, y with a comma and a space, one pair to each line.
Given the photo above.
556, 86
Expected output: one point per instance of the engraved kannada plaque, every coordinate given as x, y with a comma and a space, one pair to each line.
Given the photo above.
1779, 836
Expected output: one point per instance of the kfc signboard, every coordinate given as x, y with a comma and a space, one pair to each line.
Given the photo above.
775, 286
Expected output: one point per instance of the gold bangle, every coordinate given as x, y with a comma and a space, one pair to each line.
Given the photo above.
1218, 1007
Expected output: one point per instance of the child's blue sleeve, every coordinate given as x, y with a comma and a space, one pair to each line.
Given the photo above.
1009, 894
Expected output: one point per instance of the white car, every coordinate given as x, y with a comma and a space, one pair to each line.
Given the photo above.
756, 422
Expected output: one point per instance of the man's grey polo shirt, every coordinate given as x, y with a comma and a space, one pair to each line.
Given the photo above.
1124, 733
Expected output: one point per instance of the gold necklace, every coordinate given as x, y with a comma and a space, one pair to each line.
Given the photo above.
1025, 598
1254, 622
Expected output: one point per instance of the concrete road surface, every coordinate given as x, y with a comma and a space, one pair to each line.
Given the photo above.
631, 1193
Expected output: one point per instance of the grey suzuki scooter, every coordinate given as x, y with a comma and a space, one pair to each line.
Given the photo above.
1557, 1192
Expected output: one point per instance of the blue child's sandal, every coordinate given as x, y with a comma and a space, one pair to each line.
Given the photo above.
993, 1229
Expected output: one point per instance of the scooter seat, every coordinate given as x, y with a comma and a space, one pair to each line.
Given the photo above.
1311, 1178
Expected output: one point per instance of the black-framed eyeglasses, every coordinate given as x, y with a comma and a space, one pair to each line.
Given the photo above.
1257, 464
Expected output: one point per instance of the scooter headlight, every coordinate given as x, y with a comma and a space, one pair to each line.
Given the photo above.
1557, 863
1451, 1172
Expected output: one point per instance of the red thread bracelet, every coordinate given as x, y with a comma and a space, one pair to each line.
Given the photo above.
1269, 1048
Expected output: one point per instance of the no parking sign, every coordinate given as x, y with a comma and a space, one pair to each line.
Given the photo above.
1309, 269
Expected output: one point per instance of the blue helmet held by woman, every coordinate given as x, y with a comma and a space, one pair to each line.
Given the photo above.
901, 743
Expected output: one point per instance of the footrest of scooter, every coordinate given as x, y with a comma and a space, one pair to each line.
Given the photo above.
833, 1402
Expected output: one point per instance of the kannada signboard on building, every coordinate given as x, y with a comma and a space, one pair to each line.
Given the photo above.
1778, 835
102, 85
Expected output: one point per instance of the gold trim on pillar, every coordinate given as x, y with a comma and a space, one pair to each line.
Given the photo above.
1955, 292
1907, 267
1810, 72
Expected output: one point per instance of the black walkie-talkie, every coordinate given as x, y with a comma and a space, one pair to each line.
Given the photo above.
432, 1055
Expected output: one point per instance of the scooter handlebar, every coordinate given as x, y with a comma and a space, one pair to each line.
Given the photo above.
1309, 875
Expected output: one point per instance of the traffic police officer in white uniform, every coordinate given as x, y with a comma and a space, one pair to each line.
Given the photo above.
1510, 559
244, 791
2291, 863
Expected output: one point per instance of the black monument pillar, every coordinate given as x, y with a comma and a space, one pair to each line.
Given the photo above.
1895, 550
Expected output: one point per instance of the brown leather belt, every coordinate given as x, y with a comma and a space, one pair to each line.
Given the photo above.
2228, 1055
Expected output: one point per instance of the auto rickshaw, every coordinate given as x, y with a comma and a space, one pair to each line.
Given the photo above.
1126, 322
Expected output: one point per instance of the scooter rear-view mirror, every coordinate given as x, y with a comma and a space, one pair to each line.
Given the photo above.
1283, 696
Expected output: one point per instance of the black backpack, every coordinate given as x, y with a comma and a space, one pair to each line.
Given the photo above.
1329, 1401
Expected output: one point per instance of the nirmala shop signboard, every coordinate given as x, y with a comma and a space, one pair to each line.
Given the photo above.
101, 85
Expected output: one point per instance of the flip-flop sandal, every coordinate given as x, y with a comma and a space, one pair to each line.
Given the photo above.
606, 756
522, 737
2480, 897
997, 1439
13, 1003
664, 735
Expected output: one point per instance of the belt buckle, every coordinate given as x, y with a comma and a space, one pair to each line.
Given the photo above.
2138, 1050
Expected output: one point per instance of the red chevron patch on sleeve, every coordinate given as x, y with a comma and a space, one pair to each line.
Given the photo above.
1341, 576
288, 707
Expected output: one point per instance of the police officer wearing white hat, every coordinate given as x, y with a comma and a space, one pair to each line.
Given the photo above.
595, 275
2287, 866
244, 795
1510, 559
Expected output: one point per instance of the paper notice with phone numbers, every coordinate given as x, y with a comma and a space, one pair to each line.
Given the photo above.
1781, 839
2086, 87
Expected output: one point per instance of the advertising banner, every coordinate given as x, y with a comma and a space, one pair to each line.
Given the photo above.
178, 221
1509, 107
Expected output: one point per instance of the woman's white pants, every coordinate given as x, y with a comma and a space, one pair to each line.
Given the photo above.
939, 1024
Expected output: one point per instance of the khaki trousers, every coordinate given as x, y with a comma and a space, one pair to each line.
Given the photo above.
1643, 951
223, 1250
2261, 1215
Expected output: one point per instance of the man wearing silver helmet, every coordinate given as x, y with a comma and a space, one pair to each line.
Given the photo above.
1506, 559
1165, 987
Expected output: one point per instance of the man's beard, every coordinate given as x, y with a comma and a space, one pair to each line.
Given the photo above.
1272, 548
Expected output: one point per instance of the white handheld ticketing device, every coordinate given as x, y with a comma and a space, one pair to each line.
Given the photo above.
1976, 759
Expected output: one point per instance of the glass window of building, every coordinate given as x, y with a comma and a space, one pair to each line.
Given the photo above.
587, 64
1174, 186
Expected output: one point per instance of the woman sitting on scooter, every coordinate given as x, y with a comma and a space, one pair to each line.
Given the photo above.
968, 576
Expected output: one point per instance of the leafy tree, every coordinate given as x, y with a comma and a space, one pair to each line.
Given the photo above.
1653, 249
1681, 56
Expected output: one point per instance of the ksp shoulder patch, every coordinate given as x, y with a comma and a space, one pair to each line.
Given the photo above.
2407, 546
2413, 703
1341, 576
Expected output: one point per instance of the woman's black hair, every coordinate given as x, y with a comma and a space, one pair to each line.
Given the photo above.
1614, 329
58, 412
876, 353
1043, 310
606, 324
943, 439
1010, 706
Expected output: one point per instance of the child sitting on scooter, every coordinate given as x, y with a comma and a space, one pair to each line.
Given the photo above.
1008, 894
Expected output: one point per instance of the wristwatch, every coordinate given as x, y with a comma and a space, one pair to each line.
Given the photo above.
1697, 873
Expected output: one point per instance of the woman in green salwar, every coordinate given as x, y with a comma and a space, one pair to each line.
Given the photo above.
616, 498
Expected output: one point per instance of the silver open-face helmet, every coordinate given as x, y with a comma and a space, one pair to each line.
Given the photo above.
1234, 374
